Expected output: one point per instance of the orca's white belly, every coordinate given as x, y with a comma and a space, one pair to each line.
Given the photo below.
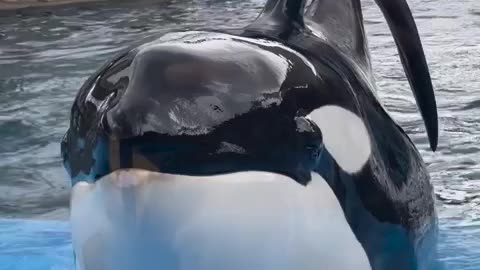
141, 220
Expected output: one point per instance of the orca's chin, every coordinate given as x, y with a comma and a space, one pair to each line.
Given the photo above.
137, 219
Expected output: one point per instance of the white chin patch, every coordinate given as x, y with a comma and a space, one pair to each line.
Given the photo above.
344, 135
135, 219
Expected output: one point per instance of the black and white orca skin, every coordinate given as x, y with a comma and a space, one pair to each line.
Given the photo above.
255, 148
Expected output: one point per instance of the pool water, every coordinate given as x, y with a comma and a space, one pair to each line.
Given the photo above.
47, 53
41, 245
35, 245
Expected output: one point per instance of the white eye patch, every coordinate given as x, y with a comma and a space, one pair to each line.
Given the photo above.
344, 135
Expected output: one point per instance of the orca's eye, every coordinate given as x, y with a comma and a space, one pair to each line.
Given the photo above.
310, 138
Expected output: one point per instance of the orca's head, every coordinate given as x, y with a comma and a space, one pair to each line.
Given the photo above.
200, 143
198, 103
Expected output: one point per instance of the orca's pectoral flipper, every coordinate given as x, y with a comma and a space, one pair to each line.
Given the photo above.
400, 20
279, 19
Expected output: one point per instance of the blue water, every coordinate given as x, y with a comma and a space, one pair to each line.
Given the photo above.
42, 245
35, 245
46, 54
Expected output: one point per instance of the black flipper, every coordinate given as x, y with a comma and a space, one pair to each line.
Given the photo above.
404, 30
279, 19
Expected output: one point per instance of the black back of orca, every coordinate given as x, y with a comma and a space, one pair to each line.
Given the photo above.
211, 102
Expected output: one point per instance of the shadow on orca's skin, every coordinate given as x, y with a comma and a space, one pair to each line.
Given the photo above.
290, 94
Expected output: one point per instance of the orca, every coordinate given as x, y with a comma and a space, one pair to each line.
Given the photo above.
263, 147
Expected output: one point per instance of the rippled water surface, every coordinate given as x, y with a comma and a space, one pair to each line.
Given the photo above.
46, 54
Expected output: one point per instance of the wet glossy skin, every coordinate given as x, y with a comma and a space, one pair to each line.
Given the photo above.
180, 109
205, 103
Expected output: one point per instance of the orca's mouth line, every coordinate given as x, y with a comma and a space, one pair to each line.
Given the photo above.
132, 177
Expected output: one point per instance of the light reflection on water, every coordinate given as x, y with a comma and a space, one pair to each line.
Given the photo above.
48, 53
